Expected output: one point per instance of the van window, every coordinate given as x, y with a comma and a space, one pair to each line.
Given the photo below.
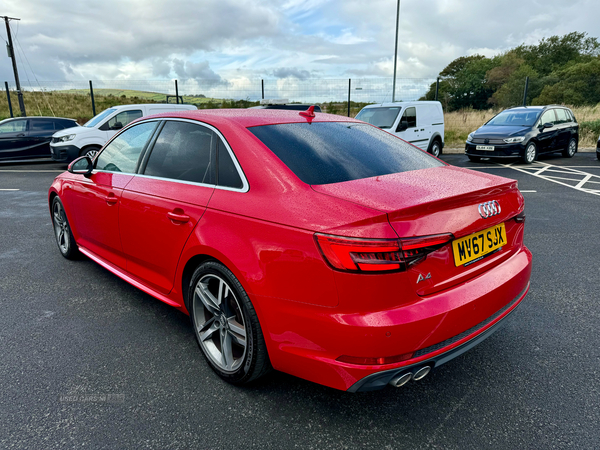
121, 120
410, 117
99, 118
562, 116
380, 117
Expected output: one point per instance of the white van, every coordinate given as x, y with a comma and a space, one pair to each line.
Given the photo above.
420, 123
71, 143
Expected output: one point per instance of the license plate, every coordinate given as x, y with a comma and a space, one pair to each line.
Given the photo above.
487, 148
477, 245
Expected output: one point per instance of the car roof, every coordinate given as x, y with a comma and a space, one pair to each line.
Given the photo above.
38, 117
251, 117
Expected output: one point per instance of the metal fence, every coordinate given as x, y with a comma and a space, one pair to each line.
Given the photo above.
220, 93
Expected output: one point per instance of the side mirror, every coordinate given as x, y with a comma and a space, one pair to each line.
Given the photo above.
402, 126
117, 126
547, 125
81, 166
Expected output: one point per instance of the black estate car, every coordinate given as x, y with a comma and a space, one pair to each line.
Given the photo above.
525, 132
598, 149
29, 137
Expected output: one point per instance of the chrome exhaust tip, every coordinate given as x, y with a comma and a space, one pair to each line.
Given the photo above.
421, 373
401, 380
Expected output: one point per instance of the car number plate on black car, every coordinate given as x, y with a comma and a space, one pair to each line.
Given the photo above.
477, 245
487, 148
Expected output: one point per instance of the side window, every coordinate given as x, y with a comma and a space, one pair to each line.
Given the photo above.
14, 126
122, 119
41, 125
561, 116
548, 117
123, 152
183, 151
228, 175
410, 116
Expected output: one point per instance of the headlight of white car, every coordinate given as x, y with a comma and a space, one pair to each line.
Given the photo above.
514, 139
68, 137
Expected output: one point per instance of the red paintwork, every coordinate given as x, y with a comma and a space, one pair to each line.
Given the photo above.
310, 313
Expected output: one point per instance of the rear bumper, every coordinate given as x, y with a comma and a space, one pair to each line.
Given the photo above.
474, 337
64, 153
306, 341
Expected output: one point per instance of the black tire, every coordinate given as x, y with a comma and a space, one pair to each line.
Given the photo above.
530, 153
598, 155
62, 231
571, 149
228, 332
90, 151
474, 158
435, 148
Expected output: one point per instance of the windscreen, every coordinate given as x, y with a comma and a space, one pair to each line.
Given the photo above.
380, 117
332, 152
515, 118
98, 118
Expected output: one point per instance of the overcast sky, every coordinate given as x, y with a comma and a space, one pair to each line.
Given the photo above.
226, 40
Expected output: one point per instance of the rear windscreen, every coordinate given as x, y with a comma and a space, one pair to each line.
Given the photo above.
332, 152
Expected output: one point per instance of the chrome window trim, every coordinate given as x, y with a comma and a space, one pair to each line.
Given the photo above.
245, 185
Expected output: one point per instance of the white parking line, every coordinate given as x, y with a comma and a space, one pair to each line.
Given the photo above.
525, 191
9, 189
582, 181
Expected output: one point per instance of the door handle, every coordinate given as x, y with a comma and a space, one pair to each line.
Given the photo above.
179, 218
111, 199
20, 135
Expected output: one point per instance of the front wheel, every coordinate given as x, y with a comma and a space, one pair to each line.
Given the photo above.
90, 152
571, 149
62, 231
530, 153
226, 325
435, 148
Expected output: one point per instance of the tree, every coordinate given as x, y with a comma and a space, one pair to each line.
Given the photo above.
577, 84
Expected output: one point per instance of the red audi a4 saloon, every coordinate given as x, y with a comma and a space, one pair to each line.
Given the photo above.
313, 244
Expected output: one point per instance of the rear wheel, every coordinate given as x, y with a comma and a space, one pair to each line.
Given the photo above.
226, 325
62, 231
435, 148
530, 153
474, 158
91, 151
571, 149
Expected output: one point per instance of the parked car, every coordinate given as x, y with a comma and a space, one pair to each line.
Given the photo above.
24, 138
418, 123
525, 132
318, 245
88, 139
284, 104
598, 149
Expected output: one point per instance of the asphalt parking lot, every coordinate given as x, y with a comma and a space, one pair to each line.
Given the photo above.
89, 361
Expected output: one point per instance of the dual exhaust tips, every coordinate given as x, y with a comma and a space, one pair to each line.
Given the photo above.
404, 378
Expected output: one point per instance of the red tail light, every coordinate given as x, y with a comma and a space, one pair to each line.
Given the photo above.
377, 255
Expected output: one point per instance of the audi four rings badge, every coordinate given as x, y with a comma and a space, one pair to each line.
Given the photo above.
489, 209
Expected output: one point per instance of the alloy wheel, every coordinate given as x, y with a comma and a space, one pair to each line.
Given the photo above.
219, 323
572, 147
61, 228
530, 153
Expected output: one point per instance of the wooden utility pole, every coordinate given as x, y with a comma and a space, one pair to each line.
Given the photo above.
11, 54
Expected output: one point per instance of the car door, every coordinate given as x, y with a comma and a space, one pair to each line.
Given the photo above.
96, 199
548, 137
166, 200
40, 135
564, 125
408, 123
13, 139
